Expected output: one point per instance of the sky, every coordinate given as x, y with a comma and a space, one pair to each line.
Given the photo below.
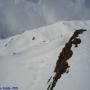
17, 16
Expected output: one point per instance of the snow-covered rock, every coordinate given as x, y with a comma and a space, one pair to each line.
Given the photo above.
28, 63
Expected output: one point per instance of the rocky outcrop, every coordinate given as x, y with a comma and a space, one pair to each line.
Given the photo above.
62, 65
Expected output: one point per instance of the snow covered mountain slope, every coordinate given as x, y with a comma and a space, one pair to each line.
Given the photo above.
27, 60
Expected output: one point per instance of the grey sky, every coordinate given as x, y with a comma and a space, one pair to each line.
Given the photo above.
87, 3
17, 16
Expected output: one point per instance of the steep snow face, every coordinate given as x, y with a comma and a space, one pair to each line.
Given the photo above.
28, 60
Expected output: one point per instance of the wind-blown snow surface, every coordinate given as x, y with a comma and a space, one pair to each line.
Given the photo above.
28, 64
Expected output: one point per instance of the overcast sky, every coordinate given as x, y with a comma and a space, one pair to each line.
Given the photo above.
17, 16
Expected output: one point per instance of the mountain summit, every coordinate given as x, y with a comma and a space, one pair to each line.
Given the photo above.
28, 60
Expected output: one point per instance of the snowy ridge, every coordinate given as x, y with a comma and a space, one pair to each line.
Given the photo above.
28, 63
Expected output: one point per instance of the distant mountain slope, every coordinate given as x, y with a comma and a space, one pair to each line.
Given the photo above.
27, 60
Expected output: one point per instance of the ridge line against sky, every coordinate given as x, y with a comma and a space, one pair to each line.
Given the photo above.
17, 16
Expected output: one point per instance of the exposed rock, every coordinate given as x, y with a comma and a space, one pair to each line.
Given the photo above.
33, 38
62, 65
